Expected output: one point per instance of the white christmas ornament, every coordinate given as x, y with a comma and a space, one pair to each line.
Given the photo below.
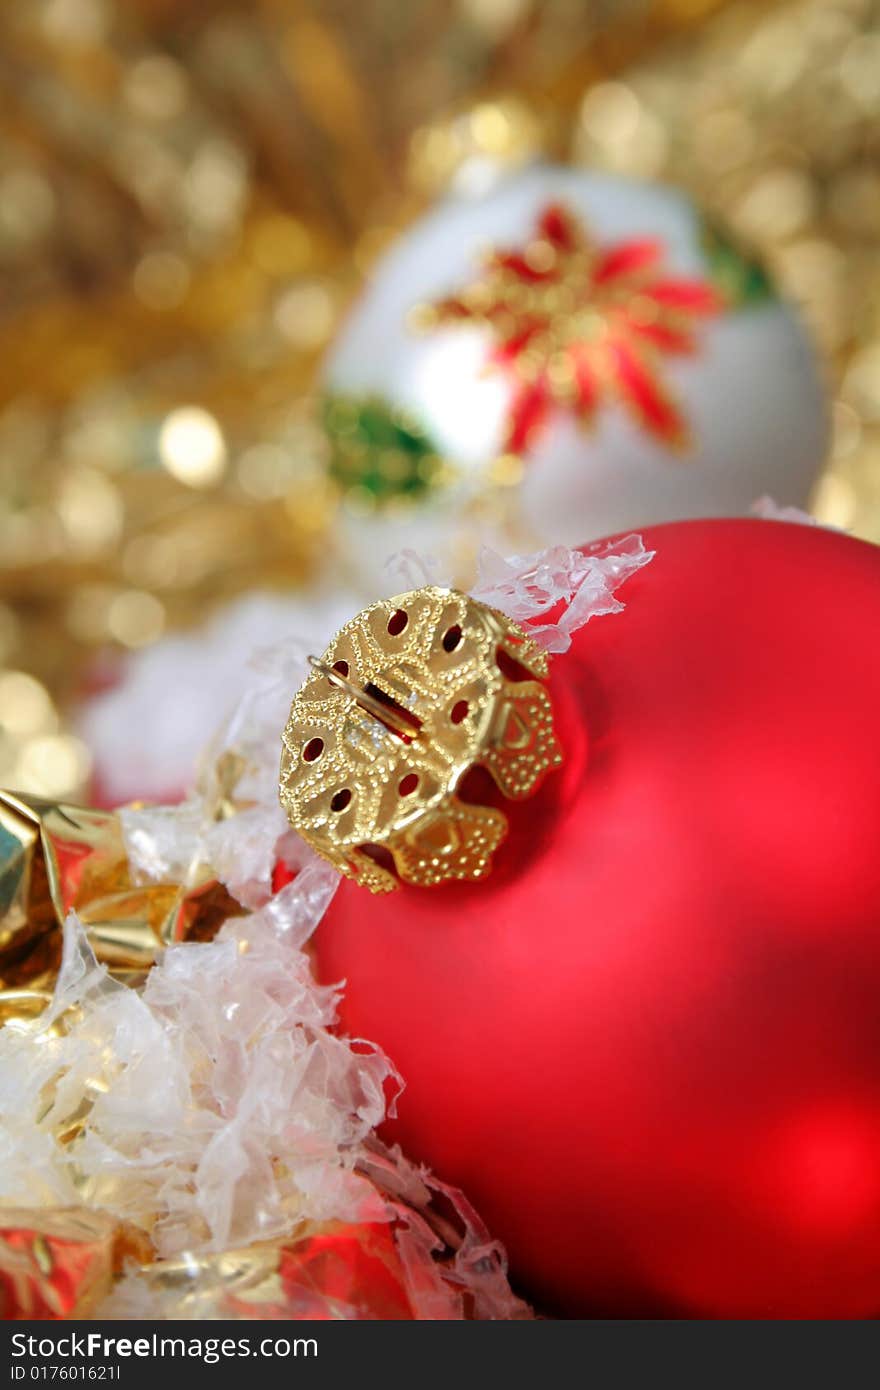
569, 356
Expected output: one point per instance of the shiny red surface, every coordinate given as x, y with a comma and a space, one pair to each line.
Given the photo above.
47, 1277
648, 1046
353, 1268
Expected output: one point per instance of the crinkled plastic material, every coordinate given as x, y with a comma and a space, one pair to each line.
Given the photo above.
768, 510
232, 820
216, 1111
213, 1108
568, 587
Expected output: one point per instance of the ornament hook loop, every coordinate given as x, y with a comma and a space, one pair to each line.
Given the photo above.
386, 713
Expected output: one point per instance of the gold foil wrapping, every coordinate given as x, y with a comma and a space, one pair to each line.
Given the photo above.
54, 858
60, 1263
325, 1272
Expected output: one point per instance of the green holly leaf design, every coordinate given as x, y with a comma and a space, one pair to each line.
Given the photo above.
739, 275
378, 451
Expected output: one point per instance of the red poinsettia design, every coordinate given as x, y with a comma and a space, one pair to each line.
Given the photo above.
576, 324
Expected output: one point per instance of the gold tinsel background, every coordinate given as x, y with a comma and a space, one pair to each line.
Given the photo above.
189, 194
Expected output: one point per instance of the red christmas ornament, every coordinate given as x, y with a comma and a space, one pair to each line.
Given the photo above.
648, 1044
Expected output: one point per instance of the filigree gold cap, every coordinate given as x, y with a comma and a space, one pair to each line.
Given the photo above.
409, 696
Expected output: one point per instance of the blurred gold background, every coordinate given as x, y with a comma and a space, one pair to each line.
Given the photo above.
190, 194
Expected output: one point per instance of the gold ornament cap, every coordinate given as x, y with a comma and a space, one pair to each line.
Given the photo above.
409, 696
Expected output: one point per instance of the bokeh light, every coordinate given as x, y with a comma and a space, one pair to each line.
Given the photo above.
191, 446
